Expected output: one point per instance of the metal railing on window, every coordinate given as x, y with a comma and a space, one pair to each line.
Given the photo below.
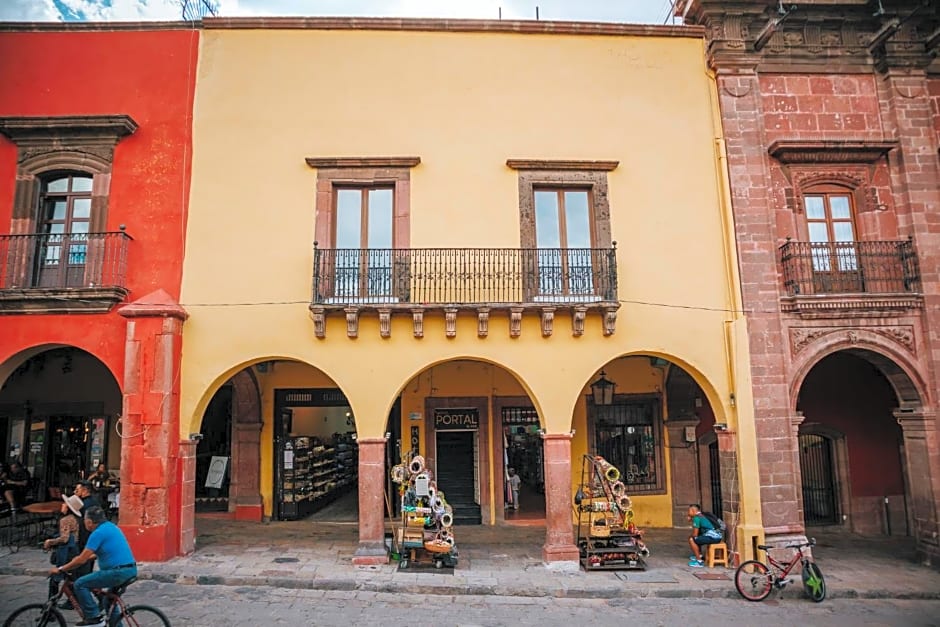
441, 276
870, 267
63, 260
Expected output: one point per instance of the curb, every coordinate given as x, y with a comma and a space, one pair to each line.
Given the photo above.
637, 591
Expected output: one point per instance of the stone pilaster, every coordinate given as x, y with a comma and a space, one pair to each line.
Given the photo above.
151, 485
919, 429
683, 463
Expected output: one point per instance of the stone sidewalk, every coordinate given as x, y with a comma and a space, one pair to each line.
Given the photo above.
504, 561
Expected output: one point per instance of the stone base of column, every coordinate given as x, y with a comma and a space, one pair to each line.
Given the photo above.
370, 554
249, 513
928, 554
779, 541
557, 554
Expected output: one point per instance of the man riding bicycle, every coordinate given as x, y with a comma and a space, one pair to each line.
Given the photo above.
116, 564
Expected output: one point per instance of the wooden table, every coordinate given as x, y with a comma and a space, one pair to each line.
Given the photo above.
46, 507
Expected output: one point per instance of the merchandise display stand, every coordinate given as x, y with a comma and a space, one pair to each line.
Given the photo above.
426, 533
607, 537
314, 474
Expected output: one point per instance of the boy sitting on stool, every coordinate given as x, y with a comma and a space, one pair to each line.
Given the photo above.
703, 533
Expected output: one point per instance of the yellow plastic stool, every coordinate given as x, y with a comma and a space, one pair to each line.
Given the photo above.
717, 554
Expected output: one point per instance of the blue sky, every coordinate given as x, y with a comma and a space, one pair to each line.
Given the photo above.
638, 11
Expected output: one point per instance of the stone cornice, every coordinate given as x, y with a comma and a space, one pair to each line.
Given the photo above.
825, 37
363, 162
830, 151
535, 27
26, 27
41, 130
562, 164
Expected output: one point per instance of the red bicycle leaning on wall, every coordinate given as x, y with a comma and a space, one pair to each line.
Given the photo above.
755, 581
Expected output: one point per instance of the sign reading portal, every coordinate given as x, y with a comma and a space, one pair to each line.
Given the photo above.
454, 418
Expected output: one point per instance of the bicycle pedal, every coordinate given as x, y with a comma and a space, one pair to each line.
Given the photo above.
782, 583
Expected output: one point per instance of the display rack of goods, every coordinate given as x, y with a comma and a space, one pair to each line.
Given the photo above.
426, 535
347, 459
607, 537
296, 483
323, 476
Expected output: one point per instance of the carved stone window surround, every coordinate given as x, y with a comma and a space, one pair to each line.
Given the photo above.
51, 145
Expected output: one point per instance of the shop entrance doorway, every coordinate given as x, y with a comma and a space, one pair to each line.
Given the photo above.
522, 446
457, 474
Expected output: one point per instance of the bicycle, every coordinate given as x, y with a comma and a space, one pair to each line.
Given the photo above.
43, 614
755, 581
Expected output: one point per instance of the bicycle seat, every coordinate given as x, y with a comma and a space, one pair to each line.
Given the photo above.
121, 588
764, 547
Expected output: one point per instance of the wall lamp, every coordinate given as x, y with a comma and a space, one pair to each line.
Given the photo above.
195, 437
602, 390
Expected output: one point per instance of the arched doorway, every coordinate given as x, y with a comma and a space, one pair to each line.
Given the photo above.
659, 418
473, 422
59, 414
851, 446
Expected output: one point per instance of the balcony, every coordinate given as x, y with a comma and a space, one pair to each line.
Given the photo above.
414, 281
62, 272
833, 279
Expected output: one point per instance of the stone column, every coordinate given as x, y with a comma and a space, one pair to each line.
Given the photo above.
919, 429
559, 529
151, 489
372, 549
245, 492
684, 466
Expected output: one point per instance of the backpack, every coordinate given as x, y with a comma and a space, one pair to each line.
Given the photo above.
716, 522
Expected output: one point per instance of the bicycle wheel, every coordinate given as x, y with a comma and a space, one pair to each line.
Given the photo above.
753, 580
142, 616
35, 615
813, 582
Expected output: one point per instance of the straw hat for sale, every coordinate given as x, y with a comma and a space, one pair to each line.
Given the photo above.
75, 504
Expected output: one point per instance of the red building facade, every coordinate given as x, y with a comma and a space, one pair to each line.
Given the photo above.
95, 145
831, 115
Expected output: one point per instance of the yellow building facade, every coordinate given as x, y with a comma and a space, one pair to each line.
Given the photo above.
433, 237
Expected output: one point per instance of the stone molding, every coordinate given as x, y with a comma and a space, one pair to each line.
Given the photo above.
837, 306
802, 337
563, 164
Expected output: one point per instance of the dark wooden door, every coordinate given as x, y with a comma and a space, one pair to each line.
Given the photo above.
820, 503
455, 474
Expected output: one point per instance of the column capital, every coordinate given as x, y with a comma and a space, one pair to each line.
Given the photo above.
157, 304
796, 419
558, 436
915, 419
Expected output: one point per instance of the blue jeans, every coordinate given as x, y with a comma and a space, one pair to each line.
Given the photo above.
99, 579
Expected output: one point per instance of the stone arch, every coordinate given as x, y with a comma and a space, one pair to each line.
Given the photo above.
64, 161
15, 360
889, 357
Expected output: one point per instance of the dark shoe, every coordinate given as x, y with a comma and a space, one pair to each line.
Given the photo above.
97, 621
65, 605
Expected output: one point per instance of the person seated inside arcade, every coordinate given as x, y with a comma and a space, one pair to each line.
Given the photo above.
703, 533
15, 483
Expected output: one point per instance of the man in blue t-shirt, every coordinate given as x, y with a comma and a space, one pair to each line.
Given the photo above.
703, 532
109, 547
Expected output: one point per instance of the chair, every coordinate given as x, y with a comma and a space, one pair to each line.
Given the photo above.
717, 554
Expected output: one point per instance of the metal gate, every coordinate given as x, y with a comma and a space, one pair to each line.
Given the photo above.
820, 502
714, 471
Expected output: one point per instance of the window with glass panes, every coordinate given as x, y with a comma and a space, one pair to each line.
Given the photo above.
364, 241
564, 238
831, 229
65, 218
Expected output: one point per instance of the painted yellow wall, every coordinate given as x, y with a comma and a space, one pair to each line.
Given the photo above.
464, 103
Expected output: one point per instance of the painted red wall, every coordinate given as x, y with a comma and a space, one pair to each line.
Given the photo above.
847, 393
150, 76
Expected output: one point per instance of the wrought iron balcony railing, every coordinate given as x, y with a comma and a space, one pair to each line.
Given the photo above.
871, 267
43, 271
464, 276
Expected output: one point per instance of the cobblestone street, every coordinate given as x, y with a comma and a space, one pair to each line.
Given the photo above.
197, 606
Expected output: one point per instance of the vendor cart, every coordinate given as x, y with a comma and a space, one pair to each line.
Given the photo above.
607, 538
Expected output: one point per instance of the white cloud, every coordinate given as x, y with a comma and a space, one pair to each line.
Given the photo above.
95, 10
29, 10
